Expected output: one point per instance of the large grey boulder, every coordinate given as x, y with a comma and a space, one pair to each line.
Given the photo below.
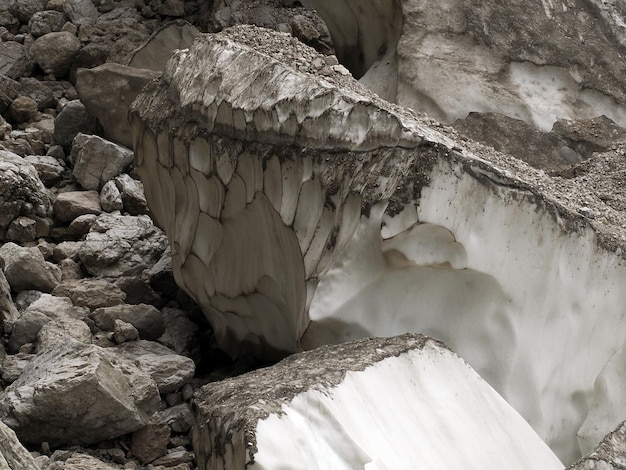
371, 403
13, 455
54, 52
107, 92
73, 119
44, 22
90, 292
21, 190
73, 393
97, 160
72, 204
8, 312
15, 61
146, 318
121, 245
25, 268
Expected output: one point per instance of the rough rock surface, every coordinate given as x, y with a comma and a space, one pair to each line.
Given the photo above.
13, 456
610, 454
97, 387
256, 420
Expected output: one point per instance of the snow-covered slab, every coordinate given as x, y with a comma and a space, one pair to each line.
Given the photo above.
395, 403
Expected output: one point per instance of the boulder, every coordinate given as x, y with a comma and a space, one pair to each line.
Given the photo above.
47, 21
81, 11
72, 204
42, 311
25, 268
21, 190
110, 197
107, 92
9, 89
15, 61
123, 332
13, 455
178, 417
12, 365
49, 169
25, 9
55, 52
101, 395
151, 441
92, 293
121, 245
8, 312
133, 197
153, 55
97, 160
73, 119
38, 91
180, 332
145, 318
169, 370
373, 402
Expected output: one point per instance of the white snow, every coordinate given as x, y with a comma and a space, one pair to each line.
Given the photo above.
425, 409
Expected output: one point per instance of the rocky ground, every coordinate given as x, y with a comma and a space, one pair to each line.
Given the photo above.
101, 350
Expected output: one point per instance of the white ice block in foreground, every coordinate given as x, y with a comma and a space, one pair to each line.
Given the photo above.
394, 403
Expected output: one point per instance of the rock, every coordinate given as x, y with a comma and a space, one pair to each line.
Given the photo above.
138, 291
70, 270
362, 386
25, 9
15, 61
161, 276
9, 90
180, 331
85, 385
73, 204
12, 365
107, 92
13, 455
81, 225
49, 169
80, 11
54, 52
22, 109
22, 230
169, 370
123, 332
72, 120
38, 91
176, 458
153, 55
97, 161
151, 441
110, 197
92, 293
42, 311
178, 417
8, 312
145, 318
132, 194
79, 461
120, 245
47, 21
25, 268
172, 8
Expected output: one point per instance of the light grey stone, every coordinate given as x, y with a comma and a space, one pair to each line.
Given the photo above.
72, 204
102, 395
110, 197
107, 92
13, 455
97, 160
169, 370
8, 311
123, 331
145, 318
92, 293
132, 194
21, 190
25, 268
120, 245
49, 168
12, 365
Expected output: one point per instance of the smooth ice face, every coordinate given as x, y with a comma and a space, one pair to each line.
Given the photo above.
422, 409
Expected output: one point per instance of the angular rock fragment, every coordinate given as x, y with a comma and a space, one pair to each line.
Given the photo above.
87, 386
54, 52
73, 119
368, 403
145, 318
107, 92
13, 455
72, 204
304, 210
92, 293
97, 161
169, 370
25, 268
